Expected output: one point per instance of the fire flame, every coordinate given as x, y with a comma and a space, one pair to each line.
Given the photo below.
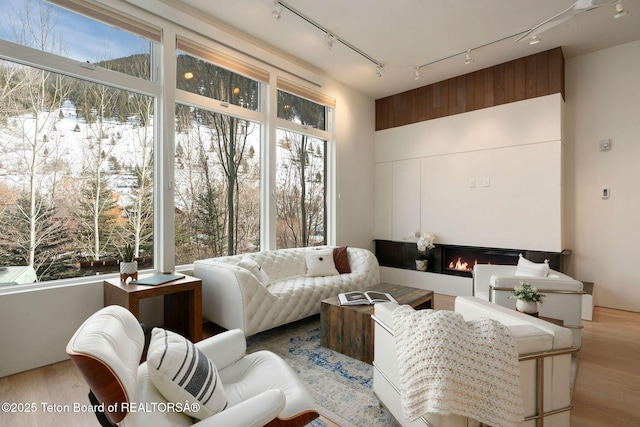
461, 265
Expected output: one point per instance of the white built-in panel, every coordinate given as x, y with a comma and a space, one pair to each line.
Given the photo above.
504, 198
406, 198
491, 177
517, 123
383, 203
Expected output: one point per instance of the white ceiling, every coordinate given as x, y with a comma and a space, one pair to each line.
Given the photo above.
402, 34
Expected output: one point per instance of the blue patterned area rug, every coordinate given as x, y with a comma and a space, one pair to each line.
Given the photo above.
341, 385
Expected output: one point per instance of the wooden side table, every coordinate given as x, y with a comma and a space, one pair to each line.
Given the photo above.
348, 329
182, 302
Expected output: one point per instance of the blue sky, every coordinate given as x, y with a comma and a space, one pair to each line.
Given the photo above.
80, 38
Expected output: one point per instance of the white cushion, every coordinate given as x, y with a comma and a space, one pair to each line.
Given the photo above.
527, 268
321, 263
255, 269
183, 373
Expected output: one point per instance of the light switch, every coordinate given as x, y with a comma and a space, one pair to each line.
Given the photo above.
605, 193
487, 182
472, 183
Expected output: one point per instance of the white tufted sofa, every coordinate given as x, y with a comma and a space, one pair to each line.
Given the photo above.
233, 297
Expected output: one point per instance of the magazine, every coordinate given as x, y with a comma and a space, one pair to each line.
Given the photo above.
368, 297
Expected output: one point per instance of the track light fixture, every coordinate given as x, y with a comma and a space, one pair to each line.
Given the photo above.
468, 59
418, 74
276, 10
330, 38
620, 10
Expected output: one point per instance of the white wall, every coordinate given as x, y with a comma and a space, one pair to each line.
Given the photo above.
491, 177
355, 124
603, 101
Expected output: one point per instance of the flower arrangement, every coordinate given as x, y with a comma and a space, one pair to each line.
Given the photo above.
424, 244
527, 292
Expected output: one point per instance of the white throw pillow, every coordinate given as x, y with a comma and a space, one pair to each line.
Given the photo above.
321, 263
255, 269
183, 373
531, 269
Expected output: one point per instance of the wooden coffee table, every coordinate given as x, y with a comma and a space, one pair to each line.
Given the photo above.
349, 329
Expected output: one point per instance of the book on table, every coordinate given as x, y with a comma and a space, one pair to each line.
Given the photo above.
364, 297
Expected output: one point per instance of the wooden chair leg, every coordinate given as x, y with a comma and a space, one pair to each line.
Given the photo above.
299, 421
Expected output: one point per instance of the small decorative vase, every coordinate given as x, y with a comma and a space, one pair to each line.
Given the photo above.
529, 307
128, 270
421, 264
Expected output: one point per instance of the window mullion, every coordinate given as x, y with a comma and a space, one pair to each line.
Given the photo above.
200, 101
305, 130
86, 71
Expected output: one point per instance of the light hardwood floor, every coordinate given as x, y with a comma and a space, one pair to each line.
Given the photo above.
606, 394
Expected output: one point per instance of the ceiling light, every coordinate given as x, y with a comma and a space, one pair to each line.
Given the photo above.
379, 70
468, 59
329, 40
188, 75
620, 12
418, 74
534, 40
276, 10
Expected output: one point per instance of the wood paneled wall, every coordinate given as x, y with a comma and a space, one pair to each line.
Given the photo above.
529, 77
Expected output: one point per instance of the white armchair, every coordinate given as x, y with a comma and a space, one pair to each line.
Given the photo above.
261, 389
564, 294
545, 355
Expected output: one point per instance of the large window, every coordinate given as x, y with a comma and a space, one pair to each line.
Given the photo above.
301, 175
96, 154
76, 156
217, 185
217, 167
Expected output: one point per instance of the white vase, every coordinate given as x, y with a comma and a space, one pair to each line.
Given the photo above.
421, 264
128, 270
529, 307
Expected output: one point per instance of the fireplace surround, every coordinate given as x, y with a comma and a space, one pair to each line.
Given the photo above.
459, 260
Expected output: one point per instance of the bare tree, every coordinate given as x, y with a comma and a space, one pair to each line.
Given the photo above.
139, 212
30, 97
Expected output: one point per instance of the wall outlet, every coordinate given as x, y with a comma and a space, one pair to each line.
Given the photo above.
472, 183
606, 144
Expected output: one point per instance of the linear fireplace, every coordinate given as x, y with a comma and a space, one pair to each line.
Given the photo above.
459, 260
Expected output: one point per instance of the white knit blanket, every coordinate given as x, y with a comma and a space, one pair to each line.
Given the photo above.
449, 366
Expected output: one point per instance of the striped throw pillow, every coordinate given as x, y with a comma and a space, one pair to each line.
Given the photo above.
183, 373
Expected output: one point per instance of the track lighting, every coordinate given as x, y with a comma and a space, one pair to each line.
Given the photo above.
620, 11
329, 40
468, 59
534, 40
418, 74
276, 10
